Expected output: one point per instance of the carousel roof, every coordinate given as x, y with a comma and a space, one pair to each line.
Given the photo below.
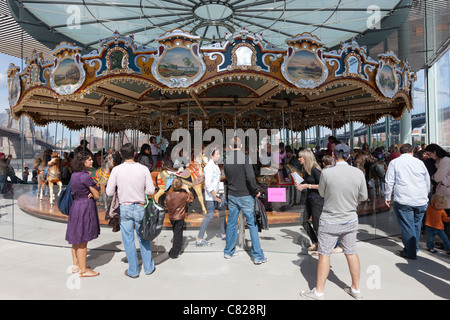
83, 22
243, 81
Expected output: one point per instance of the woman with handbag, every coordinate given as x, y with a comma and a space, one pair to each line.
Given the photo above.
83, 223
441, 176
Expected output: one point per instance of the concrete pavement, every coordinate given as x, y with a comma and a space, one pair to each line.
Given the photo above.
36, 271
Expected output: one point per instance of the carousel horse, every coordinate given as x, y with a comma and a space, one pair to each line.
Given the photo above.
273, 176
377, 172
53, 176
192, 177
101, 175
39, 164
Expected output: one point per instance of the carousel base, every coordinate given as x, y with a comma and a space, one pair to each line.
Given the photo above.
29, 203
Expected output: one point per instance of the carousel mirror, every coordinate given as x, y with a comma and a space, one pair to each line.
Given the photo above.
34, 74
244, 56
352, 65
117, 60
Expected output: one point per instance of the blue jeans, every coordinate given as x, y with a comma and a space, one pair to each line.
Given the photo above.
210, 210
247, 205
431, 233
410, 220
2, 182
130, 221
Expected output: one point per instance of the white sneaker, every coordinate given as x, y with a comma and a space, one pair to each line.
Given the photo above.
357, 295
257, 262
226, 256
312, 295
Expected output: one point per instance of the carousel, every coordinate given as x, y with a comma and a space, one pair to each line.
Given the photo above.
242, 82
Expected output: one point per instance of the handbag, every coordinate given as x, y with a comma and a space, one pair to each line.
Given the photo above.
152, 222
261, 215
65, 200
112, 214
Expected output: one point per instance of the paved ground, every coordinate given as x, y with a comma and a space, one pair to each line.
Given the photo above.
37, 265
32, 271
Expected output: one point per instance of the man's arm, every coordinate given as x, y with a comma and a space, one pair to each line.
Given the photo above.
322, 184
251, 180
112, 183
363, 194
149, 186
427, 179
389, 183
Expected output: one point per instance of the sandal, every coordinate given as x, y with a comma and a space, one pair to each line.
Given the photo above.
89, 273
76, 269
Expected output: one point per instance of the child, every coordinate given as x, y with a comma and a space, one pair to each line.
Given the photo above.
25, 175
176, 203
327, 161
434, 223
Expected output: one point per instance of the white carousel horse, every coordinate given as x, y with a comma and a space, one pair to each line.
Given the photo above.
53, 177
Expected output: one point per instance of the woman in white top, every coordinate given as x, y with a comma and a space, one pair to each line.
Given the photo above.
154, 147
212, 198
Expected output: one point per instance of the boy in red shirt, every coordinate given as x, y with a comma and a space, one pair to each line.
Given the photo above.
434, 223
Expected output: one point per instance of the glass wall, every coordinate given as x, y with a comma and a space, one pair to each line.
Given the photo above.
442, 99
418, 114
24, 217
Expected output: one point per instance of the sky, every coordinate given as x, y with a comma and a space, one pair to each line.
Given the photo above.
5, 61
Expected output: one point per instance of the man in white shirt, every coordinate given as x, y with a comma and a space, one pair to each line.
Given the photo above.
409, 179
133, 181
212, 199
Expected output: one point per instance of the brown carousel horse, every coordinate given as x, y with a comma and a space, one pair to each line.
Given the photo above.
53, 177
192, 177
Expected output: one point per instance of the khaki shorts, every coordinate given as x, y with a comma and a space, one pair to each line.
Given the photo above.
328, 234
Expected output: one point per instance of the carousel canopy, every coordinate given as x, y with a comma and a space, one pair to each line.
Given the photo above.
83, 22
243, 81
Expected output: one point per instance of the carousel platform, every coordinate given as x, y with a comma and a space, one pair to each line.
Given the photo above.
29, 203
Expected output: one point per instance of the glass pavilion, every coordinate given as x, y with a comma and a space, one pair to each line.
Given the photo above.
416, 30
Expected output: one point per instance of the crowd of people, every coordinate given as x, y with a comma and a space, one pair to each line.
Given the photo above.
335, 180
